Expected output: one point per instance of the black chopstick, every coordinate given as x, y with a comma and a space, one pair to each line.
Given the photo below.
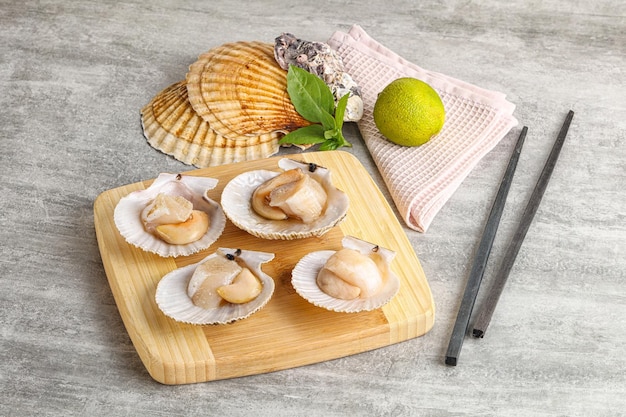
482, 322
480, 260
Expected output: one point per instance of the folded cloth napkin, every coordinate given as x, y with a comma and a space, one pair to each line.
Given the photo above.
421, 179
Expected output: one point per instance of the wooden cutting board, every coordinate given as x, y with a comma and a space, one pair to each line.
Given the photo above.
289, 331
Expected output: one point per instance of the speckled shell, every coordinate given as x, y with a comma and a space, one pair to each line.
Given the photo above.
127, 214
172, 126
320, 59
304, 279
171, 294
236, 202
241, 91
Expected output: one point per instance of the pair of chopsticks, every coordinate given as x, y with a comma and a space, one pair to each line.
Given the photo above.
478, 268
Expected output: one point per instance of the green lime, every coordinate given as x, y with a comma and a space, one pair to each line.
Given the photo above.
409, 112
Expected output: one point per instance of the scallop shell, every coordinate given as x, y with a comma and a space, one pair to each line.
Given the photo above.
172, 126
171, 294
241, 91
237, 206
127, 214
304, 279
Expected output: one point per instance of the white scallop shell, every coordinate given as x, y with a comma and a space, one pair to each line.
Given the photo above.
171, 294
237, 205
304, 279
127, 214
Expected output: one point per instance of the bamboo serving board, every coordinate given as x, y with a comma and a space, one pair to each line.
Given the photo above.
289, 331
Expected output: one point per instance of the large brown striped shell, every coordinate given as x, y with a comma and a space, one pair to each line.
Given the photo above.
241, 91
172, 126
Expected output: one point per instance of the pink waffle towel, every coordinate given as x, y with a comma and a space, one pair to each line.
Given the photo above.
421, 179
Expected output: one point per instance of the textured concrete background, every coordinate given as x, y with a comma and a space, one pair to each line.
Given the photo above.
73, 77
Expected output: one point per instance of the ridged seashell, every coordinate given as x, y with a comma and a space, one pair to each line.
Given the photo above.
173, 127
320, 59
236, 203
241, 91
171, 294
304, 279
127, 214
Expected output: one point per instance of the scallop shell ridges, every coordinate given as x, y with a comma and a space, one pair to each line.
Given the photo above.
172, 126
241, 91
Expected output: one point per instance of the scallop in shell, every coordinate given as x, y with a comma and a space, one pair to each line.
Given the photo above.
173, 127
237, 205
130, 210
173, 299
241, 91
304, 278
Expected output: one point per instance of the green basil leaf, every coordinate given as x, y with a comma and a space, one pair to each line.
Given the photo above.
330, 133
305, 135
340, 140
329, 145
341, 110
310, 96
328, 121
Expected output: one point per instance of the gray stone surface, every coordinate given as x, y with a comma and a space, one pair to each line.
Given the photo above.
73, 77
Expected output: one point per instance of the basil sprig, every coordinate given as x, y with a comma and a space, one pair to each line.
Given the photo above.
314, 101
